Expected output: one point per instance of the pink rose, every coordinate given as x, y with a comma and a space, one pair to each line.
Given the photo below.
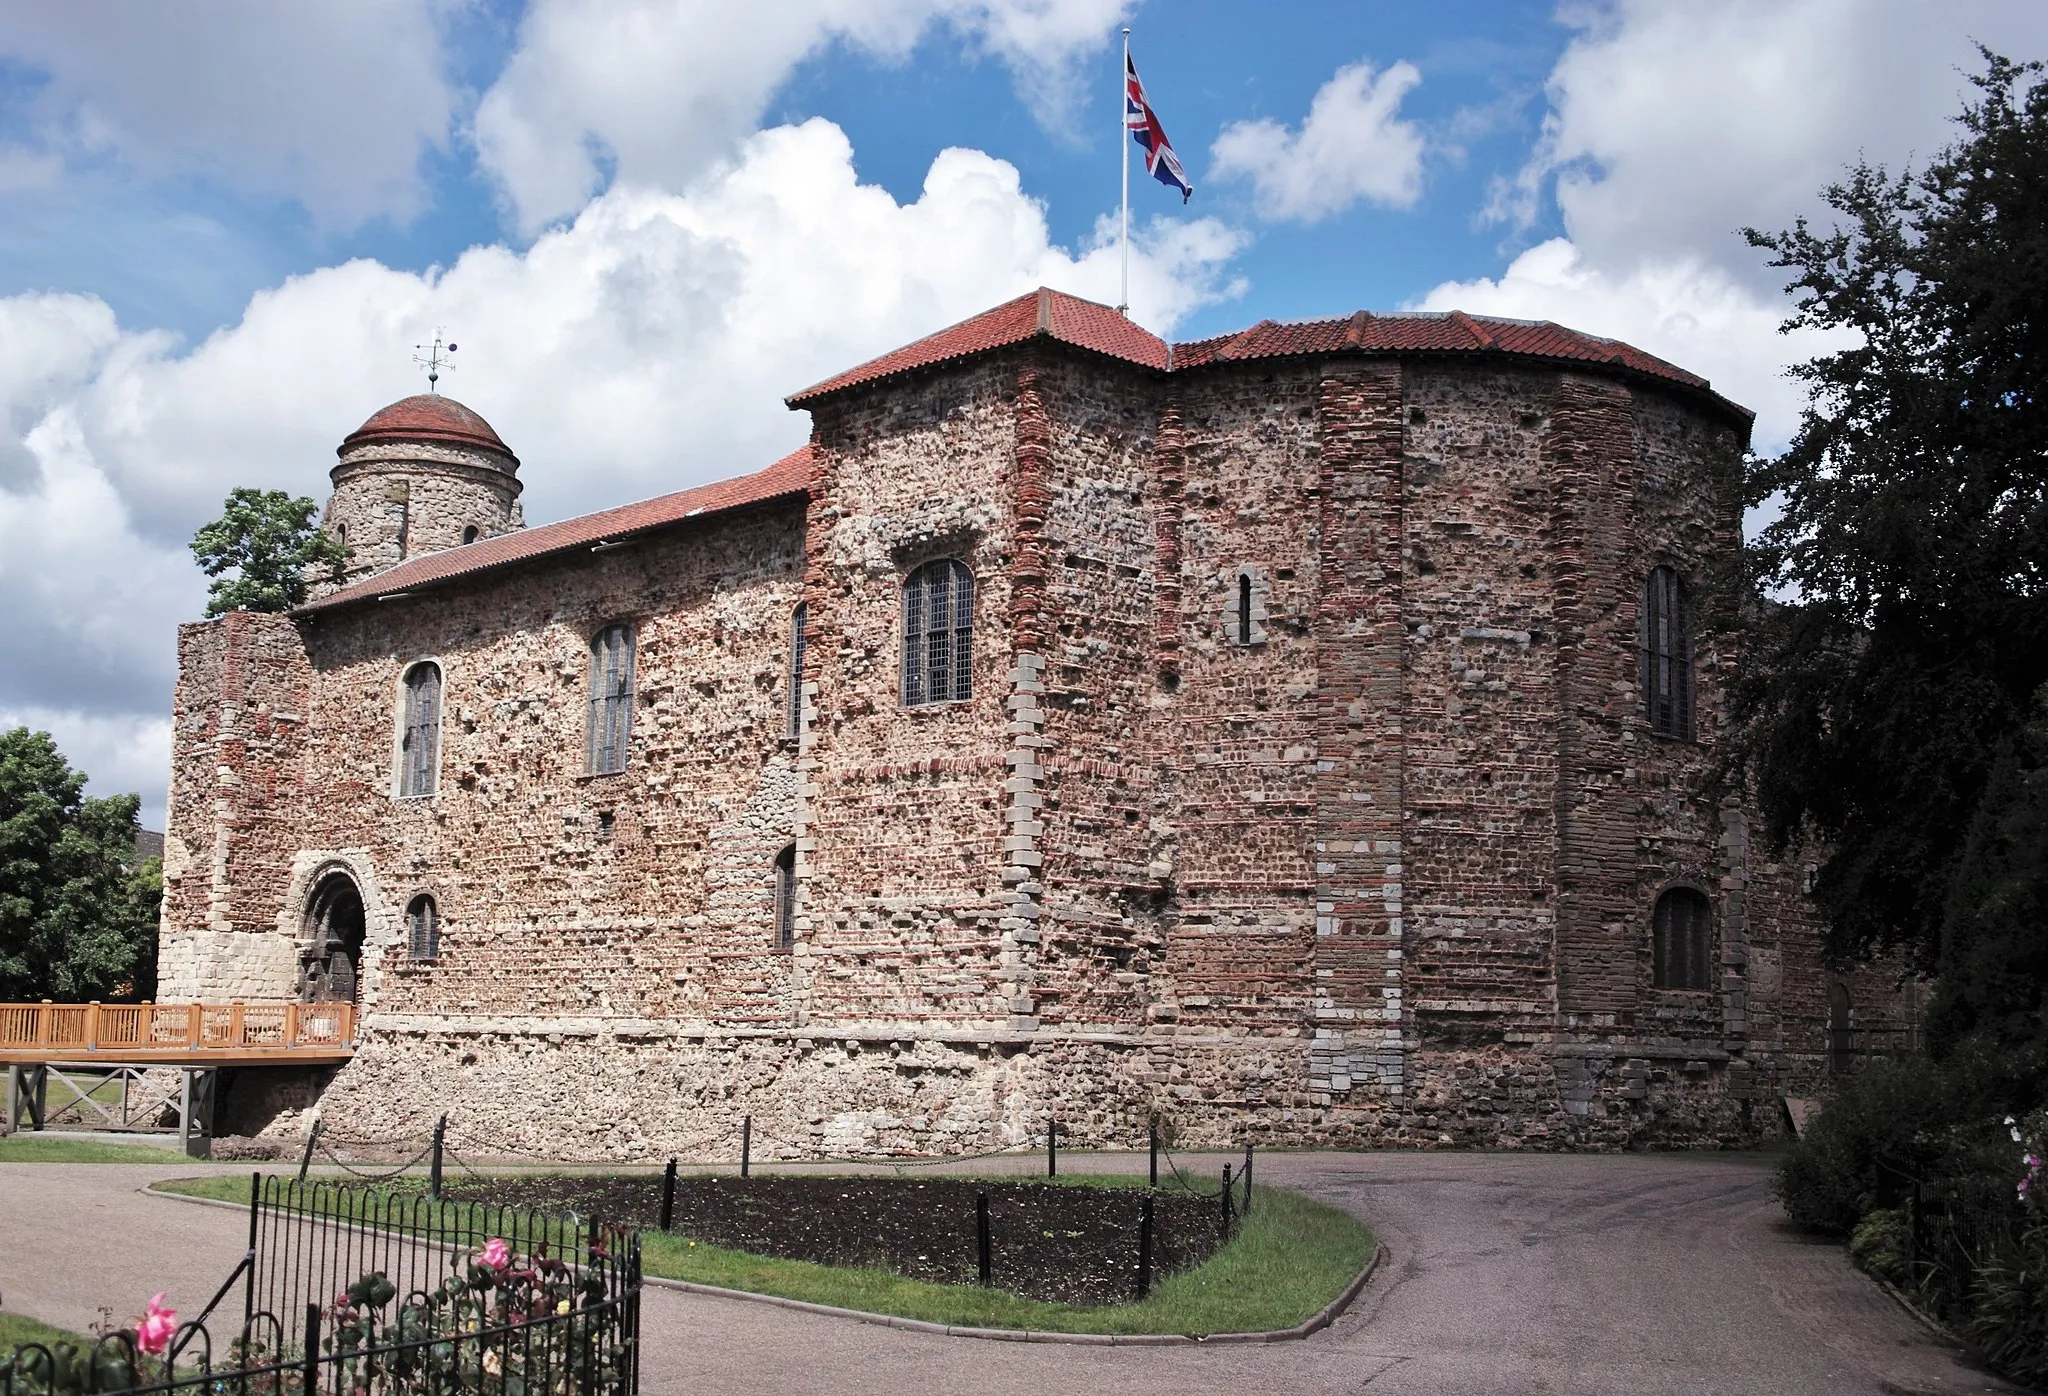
155, 1329
496, 1253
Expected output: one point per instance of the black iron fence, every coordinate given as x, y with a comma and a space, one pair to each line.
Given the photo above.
345, 1292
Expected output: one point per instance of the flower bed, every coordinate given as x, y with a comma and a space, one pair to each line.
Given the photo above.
1072, 1245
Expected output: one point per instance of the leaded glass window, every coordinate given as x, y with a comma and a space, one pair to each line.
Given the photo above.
785, 898
938, 634
797, 621
423, 928
1682, 931
611, 699
419, 743
1667, 655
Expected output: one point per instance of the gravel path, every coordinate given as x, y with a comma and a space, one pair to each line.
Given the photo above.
1508, 1274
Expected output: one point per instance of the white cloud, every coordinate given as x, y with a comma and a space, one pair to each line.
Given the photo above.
656, 91
331, 104
1695, 315
644, 347
1353, 145
1671, 126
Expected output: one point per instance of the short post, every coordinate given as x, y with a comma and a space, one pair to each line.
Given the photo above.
1052, 1148
306, 1158
309, 1363
1145, 1246
1225, 1196
1245, 1176
746, 1145
1154, 1176
668, 1196
981, 1236
440, 1142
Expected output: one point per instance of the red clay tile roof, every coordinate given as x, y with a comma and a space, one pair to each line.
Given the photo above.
428, 417
1100, 329
788, 476
1068, 319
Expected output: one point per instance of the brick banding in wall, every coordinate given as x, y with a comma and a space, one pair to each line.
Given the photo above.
1384, 875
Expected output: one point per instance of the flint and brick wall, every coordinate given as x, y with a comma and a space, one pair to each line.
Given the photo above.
1382, 871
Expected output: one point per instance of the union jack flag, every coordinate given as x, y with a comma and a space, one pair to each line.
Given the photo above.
1143, 124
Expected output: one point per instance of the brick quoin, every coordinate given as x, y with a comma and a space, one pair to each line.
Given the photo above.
1304, 793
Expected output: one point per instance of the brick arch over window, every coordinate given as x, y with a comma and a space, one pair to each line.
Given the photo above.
1667, 654
1682, 940
938, 633
611, 699
419, 734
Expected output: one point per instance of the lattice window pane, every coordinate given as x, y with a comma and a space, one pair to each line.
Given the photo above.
424, 929
1667, 654
1682, 932
785, 899
797, 623
420, 741
611, 699
938, 634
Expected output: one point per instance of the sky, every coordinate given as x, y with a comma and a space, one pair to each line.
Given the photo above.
225, 224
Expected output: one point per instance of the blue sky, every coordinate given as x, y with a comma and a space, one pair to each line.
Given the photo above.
224, 224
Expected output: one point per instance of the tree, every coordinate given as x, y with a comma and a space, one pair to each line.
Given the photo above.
1914, 534
269, 539
78, 910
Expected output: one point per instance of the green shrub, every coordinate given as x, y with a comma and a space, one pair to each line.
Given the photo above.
1881, 1127
1881, 1244
2008, 1316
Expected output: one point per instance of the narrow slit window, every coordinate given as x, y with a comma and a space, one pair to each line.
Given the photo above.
423, 928
1667, 655
785, 898
797, 621
611, 699
938, 634
1682, 932
1244, 609
419, 743
469, 534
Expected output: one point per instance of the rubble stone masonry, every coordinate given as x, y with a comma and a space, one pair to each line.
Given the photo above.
1304, 793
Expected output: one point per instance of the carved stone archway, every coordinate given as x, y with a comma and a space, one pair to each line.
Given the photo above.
330, 965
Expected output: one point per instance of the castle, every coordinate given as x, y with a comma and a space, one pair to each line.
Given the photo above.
1312, 735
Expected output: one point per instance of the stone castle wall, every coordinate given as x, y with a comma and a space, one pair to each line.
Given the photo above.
1377, 866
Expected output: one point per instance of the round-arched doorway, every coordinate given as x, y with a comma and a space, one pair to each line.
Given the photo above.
330, 967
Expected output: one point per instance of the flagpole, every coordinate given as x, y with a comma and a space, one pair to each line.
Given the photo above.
1123, 144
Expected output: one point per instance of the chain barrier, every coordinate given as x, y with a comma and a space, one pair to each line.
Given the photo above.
350, 1169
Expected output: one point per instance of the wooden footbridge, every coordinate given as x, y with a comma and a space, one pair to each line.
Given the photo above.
112, 1063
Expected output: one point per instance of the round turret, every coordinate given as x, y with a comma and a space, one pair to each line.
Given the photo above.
422, 475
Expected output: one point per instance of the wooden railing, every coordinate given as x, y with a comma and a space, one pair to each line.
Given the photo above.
151, 1028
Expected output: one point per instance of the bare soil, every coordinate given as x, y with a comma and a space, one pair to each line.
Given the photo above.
1073, 1245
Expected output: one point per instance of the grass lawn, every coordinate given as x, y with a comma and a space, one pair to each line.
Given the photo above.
55, 1148
14, 1328
1291, 1257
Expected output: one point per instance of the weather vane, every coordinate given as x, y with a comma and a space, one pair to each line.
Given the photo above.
435, 359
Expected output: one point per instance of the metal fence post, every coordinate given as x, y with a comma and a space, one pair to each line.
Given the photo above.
746, 1145
1052, 1148
440, 1140
1154, 1177
1145, 1246
1225, 1195
981, 1235
309, 1367
1245, 1176
668, 1196
249, 1278
306, 1159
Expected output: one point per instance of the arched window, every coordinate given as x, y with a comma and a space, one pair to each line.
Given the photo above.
1667, 655
419, 743
785, 898
797, 619
1244, 608
938, 634
341, 534
423, 928
1682, 940
469, 534
1841, 1020
611, 699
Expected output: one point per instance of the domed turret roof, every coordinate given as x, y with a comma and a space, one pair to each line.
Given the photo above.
429, 417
